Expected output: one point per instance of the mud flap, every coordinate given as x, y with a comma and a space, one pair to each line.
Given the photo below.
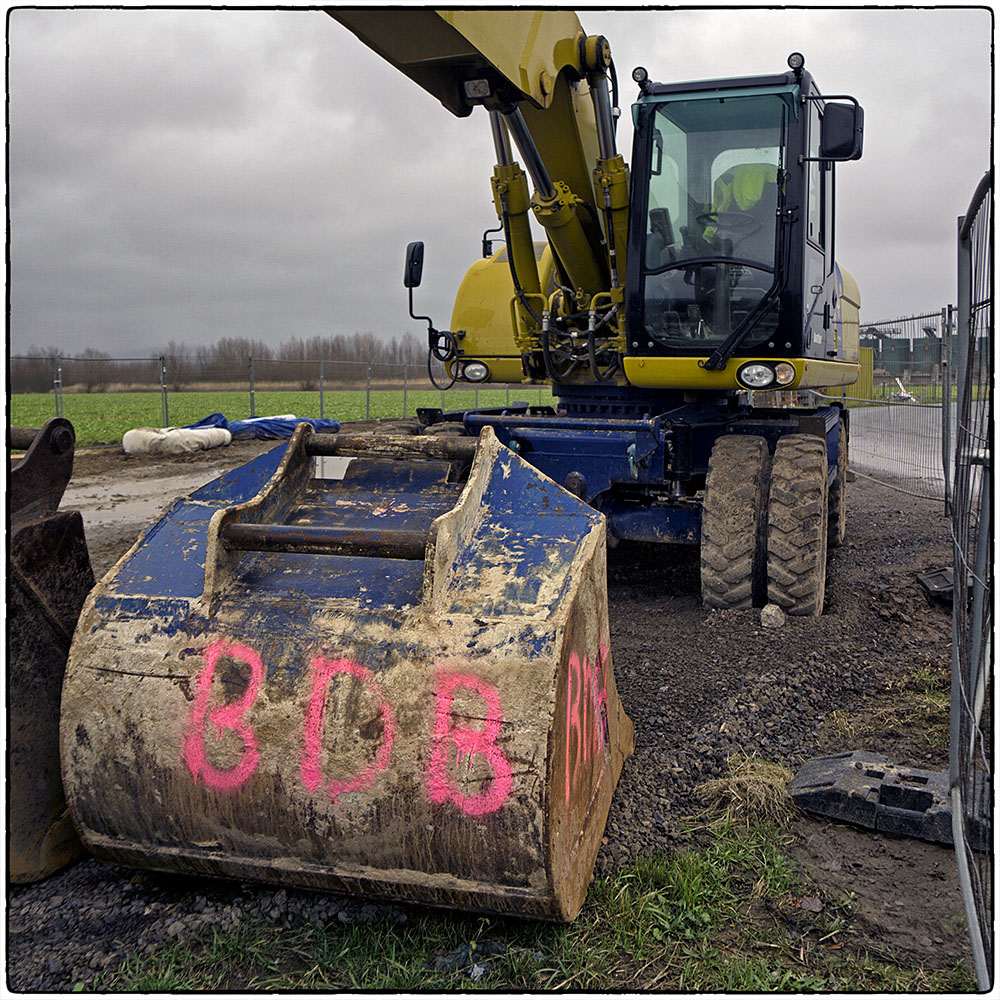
257, 691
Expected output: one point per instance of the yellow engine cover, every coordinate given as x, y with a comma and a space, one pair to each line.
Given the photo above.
484, 312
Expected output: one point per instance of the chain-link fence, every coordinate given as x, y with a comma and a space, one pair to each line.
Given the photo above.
971, 766
909, 357
104, 397
902, 407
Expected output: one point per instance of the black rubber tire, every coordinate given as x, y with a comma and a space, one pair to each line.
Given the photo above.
837, 504
734, 523
797, 525
402, 428
445, 428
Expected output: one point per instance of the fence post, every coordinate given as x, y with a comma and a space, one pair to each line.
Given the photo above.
163, 391
964, 324
252, 401
321, 390
946, 349
508, 396
57, 384
368, 391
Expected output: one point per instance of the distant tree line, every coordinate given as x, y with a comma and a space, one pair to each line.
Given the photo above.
345, 357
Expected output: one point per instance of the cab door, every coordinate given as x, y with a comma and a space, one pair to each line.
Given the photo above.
822, 331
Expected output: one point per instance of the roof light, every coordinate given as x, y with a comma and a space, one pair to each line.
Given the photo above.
796, 61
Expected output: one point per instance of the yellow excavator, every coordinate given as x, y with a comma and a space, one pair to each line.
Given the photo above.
396, 678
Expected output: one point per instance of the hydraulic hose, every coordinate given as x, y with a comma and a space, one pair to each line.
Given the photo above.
436, 353
595, 368
432, 353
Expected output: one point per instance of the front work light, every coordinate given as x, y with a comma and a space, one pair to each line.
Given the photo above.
784, 372
796, 61
755, 375
475, 371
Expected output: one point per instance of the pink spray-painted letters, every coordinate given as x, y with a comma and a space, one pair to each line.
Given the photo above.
467, 744
323, 671
454, 746
223, 717
586, 712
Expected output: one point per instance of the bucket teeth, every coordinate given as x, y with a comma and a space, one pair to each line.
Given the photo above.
388, 683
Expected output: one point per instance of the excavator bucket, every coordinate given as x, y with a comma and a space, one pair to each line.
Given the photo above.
388, 683
48, 578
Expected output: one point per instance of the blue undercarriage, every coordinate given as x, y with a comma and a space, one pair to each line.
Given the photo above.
640, 459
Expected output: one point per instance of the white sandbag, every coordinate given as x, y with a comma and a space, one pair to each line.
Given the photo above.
173, 440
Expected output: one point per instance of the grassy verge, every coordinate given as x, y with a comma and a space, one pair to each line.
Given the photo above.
918, 708
102, 418
726, 917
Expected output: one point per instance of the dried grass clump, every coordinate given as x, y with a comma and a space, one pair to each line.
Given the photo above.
753, 792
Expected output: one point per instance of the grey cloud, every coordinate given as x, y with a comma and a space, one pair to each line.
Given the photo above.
185, 175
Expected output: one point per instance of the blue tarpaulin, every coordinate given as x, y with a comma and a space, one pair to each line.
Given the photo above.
265, 427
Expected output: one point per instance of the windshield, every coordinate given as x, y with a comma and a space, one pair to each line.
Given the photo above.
711, 218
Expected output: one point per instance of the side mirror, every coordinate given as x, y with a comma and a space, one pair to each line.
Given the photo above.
842, 132
414, 264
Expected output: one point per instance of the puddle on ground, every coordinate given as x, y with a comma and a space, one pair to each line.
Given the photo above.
138, 500
141, 500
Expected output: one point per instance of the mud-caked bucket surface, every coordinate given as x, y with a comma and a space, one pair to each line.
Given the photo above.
448, 732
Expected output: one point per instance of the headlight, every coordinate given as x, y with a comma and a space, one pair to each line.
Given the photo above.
475, 371
784, 372
755, 375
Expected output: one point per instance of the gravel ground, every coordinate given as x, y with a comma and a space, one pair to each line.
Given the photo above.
699, 686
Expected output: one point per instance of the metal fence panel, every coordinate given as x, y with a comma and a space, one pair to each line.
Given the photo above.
96, 392
909, 355
898, 441
971, 765
105, 397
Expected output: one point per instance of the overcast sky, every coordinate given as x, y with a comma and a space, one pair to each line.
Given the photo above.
188, 174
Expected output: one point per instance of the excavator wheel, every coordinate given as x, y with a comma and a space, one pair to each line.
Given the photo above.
399, 427
445, 429
734, 523
838, 492
797, 525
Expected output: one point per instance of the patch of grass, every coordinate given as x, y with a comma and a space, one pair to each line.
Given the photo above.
723, 918
916, 706
102, 418
753, 792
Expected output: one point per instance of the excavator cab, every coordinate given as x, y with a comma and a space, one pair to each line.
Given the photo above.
732, 232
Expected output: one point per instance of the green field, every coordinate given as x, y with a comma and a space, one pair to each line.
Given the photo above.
102, 418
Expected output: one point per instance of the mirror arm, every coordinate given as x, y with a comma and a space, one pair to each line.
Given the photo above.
426, 319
